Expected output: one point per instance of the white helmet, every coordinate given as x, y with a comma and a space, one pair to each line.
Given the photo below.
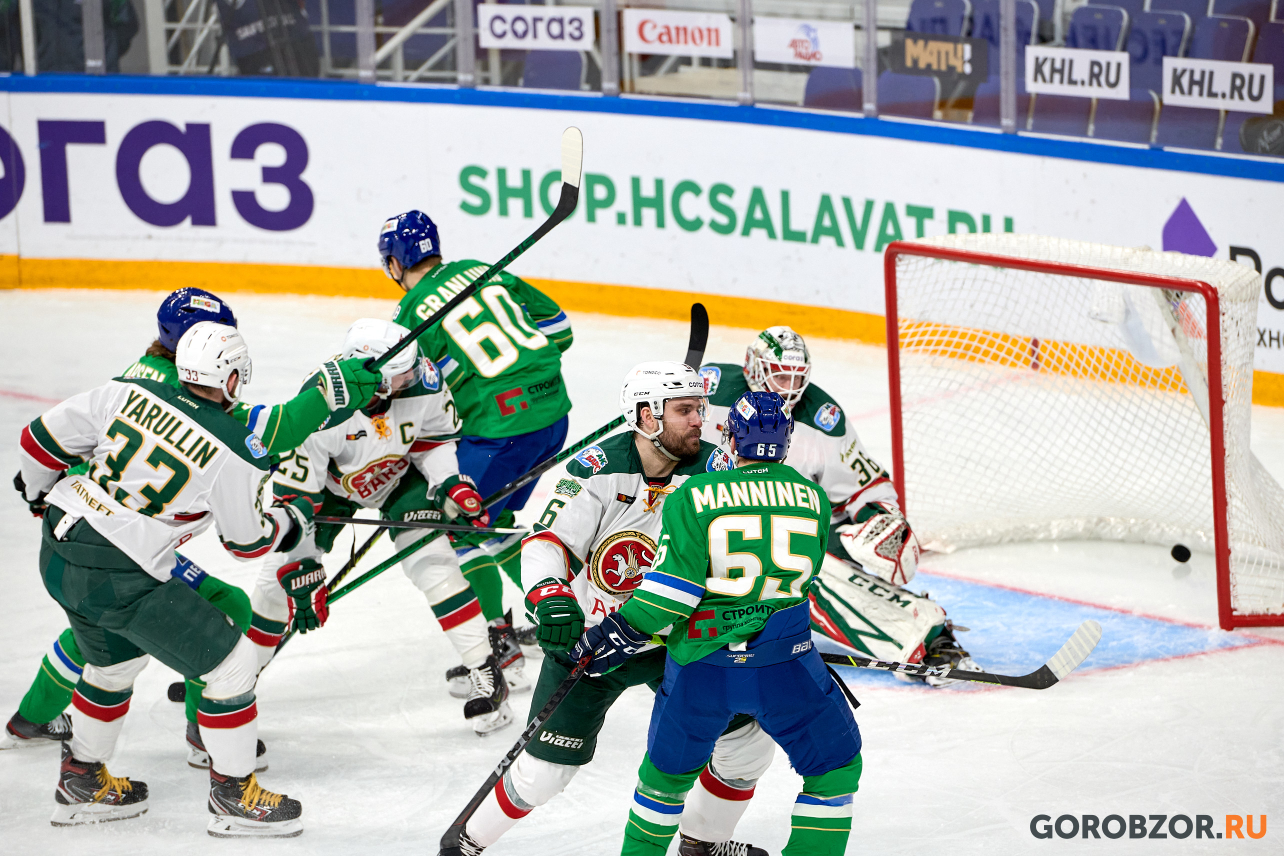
778, 354
373, 337
653, 384
209, 353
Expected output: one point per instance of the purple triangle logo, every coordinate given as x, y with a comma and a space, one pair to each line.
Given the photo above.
1183, 233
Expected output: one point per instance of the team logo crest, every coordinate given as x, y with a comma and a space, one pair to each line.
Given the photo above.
719, 461
431, 377
593, 457
620, 562
827, 416
567, 487
255, 445
368, 480
204, 303
380, 423
745, 409
712, 377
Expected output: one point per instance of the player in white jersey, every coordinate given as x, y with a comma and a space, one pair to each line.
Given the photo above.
395, 453
165, 462
589, 551
859, 597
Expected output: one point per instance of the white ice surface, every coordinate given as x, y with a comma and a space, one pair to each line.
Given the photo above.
360, 727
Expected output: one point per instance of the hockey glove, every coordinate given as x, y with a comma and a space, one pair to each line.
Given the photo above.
458, 497
348, 383
301, 523
610, 644
881, 542
38, 505
558, 617
304, 582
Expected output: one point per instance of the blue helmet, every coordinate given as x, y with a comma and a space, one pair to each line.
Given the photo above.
186, 307
761, 424
409, 238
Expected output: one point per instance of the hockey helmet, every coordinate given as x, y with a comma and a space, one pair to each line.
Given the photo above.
761, 425
186, 307
208, 354
777, 361
369, 338
409, 238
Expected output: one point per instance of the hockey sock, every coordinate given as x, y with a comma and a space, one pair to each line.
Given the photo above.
507, 549
195, 688
529, 783
715, 806
460, 616
822, 819
227, 714
266, 634
482, 573
100, 703
656, 810
50, 692
231, 600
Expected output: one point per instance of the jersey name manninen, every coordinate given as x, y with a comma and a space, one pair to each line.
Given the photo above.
362, 455
602, 523
824, 448
500, 350
736, 547
163, 465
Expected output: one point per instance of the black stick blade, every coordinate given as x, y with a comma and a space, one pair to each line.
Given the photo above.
699, 336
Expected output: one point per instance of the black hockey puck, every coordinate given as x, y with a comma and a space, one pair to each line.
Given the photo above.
1181, 552
177, 691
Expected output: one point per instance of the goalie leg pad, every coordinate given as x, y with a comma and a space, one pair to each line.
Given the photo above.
864, 613
99, 704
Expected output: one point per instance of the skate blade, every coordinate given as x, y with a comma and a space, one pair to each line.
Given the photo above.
227, 826
489, 722
517, 680
459, 687
82, 814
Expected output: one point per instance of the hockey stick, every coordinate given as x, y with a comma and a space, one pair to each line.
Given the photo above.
450, 841
424, 524
1065, 661
699, 336
572, 160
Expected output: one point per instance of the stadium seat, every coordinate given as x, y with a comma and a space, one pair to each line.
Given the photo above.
553, 70
1220, 38
1049, 20
1132, 7
834, 89
939, 17
1257, 11
985, 25
1101, 28
1196, 10
908, 95
1270, 49
986, 106
1151, 37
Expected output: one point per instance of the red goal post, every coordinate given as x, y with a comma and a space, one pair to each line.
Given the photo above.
1044, 389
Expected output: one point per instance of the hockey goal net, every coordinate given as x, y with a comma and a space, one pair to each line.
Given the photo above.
1048, 389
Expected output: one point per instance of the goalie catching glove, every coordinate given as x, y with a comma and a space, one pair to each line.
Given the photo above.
458, 497
882, 542
610, 644
557, 614
348, 383
304, 583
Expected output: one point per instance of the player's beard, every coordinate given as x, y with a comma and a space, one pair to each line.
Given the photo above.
683, 442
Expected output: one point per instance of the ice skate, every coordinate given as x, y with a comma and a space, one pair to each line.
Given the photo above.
465, 847
688, 846
243, 809
21, 731
945, 650
457, 681
487, 706
87, 793
200, 759
508, 652
526, 635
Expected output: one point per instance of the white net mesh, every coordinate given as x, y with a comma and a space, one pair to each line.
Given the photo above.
1038, 405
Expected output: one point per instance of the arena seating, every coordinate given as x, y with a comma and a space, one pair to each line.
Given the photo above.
1152, 36
1215, 37
553, 70
835, 89
1102, 28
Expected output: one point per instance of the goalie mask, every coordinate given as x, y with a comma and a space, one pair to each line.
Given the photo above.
653, 384
777, 361
370, 338
208, 354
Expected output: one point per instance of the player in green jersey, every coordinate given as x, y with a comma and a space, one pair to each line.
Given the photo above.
500, 351
732, 575
40, 717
